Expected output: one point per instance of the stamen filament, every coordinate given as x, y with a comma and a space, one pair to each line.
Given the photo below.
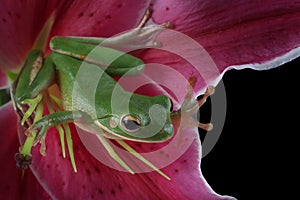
113, 154
60, 130
141, 158
70, 145
62, 139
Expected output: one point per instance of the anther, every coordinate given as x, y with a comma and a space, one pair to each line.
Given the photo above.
23, 161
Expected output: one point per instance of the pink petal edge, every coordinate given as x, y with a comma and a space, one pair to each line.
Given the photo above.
94, 180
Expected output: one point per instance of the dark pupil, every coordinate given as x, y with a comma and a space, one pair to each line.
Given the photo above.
130, 124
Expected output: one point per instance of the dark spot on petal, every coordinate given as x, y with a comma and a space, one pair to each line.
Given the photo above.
97, 169
120, 187
100, 190
138, 145
80, 14
3, 19
48, 166
63, 183
88, 171
120, 5
18, 16
113, 192
184, 161
151, 4
99, 22
76, 147
167, 8
56, 165
7, 187
9, 13
91, 15
92, 196
176, 170
83, 161
83, 186
108, 16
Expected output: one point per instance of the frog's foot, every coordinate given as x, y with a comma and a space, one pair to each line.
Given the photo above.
186, 116
37, 130
143, 36
30, 106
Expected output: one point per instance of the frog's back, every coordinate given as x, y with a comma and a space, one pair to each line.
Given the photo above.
83, 85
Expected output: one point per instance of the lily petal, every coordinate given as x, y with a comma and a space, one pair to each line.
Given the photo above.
255, 34
3, 79
12, 185
99, 18
218, 36
20, 17
92, 19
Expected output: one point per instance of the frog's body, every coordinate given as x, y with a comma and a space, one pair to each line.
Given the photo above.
99, 103
63, 69
130, 117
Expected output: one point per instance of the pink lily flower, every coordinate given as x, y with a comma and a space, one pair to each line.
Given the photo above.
248, 34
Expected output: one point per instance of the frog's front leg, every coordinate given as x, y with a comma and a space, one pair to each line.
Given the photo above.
36, 75
37, 133
40, 127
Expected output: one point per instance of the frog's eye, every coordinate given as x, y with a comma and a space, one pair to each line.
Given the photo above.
171, 107
130, 123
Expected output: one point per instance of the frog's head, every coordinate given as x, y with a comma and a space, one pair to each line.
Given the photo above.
140, 118
150, 119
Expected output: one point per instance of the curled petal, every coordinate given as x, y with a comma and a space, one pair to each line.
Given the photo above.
95, 180
20, 17
255, 34
93, 18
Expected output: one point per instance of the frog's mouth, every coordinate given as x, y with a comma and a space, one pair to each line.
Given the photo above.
128, 127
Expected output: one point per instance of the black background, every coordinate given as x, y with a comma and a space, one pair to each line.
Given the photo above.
255, 157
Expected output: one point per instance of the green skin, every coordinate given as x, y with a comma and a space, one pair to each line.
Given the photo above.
62, 65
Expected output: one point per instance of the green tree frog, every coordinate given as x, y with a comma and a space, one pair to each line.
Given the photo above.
137, 117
